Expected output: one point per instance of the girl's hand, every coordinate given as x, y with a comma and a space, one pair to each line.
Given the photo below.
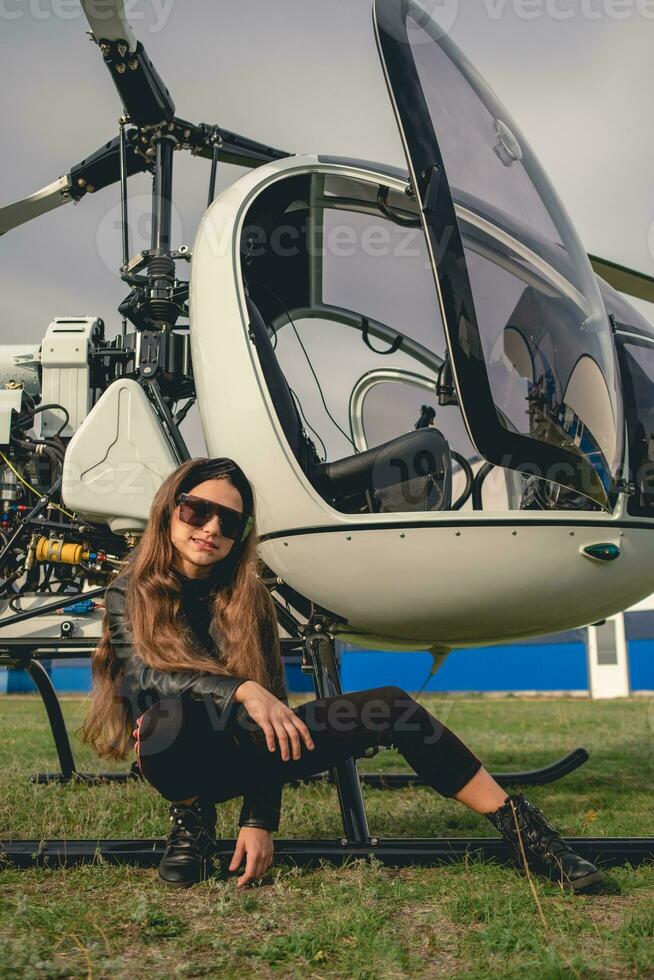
254, 846
275, 719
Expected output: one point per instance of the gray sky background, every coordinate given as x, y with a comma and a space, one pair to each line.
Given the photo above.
304, 75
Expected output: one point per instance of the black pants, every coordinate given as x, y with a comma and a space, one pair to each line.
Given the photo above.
185, 752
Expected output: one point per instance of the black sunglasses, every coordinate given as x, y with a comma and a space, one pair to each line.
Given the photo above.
196, 511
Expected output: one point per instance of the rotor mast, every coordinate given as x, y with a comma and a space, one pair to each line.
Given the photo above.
157, 298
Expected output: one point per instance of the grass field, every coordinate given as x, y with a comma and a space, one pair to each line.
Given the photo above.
472, 920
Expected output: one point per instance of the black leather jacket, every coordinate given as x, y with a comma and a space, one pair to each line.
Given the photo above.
142, 686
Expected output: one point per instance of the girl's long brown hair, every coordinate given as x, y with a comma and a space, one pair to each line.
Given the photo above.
243, 614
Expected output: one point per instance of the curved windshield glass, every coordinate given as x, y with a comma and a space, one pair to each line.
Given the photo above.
530, 339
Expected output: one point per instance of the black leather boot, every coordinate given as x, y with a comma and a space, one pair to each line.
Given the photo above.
545, 851
190, 844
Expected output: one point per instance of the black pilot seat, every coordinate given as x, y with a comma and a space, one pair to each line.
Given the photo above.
412, 472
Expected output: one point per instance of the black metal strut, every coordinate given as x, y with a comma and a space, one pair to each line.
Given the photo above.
327, 683
45, 687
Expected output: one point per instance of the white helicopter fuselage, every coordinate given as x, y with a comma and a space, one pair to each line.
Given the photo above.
437, 579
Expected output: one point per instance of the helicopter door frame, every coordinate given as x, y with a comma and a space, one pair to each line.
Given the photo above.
444, 237
628, 337
218, 287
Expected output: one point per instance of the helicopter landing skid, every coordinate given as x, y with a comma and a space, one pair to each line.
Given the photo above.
356, 842
530, 777
394, 852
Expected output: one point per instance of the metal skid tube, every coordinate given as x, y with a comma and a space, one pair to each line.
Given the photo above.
530, 777
394, 852
45, 687
88, 778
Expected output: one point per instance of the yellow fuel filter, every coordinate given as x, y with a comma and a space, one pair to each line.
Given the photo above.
54, 549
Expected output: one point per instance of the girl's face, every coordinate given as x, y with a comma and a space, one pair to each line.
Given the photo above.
197, 549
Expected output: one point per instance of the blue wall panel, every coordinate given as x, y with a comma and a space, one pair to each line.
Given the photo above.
72, 678
75, 678
641, 665
296, 680
20, 682
528, 667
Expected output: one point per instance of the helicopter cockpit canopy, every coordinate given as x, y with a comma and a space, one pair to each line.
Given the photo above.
344, 317
529, 337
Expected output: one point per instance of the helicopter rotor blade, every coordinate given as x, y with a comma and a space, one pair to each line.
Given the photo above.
96, 171
47, 199
629, 281
146, 99
112, 24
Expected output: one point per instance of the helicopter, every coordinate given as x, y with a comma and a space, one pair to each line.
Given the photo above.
443, 403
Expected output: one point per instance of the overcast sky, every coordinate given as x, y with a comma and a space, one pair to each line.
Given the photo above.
303, 75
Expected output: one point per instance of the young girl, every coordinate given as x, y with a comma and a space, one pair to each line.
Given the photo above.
188, 670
